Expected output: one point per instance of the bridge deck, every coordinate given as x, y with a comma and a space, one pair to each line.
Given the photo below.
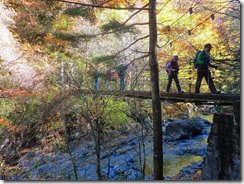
175, 97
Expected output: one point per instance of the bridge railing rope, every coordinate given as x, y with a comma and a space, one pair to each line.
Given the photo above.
138, 79
187, 78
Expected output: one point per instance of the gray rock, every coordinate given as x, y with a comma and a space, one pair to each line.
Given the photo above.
125, 167
201, 121
111, 170
124, 150
130, 160
190, 169
133, 175
112, 174
186, 147
184, 129
104, 154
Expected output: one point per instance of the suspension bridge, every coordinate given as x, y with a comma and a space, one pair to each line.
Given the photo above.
138, 85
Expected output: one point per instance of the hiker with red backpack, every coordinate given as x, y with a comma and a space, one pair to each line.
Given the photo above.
172, 68
202, 65
109, 78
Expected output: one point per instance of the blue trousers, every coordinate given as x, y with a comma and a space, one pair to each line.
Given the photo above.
122, 83
96, 85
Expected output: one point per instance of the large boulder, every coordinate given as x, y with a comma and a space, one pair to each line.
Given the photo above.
187, 128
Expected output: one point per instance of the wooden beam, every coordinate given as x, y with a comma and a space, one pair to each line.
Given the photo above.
223, 98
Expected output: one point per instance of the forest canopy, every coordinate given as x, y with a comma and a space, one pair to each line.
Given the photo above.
88, 30
62, 46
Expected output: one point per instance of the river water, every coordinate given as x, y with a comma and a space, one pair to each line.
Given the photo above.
177, 154
174, 162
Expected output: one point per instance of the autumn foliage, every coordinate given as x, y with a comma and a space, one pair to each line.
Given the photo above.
14, 93
65, 41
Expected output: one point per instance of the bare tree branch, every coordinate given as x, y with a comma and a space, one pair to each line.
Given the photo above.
163, 44
135, 14
139, 58
163, 6
142, 38
138, 75
141, 52
101, 6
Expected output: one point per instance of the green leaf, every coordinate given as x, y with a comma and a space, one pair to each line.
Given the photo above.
108, 59
86, 13
116, 25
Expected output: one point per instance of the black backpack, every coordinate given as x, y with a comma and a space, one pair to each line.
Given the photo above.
121, 71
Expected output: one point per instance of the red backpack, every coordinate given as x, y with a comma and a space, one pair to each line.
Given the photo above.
174, 65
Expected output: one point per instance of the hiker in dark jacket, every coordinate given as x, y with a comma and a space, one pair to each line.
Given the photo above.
203, 62
172, 68
121, 71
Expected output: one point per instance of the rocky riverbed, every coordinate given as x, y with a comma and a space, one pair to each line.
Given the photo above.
184, 147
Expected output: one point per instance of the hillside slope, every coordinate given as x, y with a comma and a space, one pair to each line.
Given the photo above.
13, 59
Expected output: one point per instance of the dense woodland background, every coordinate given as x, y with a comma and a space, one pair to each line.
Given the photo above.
50, 49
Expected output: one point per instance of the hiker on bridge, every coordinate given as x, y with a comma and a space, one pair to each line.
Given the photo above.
109, 78
203, 63
121, 71
96, 75
172, 68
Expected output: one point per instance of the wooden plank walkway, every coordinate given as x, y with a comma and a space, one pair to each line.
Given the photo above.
202, 98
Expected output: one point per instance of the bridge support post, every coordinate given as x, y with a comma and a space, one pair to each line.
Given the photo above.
222, 161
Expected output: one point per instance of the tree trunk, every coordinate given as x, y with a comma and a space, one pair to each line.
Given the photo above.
67, 122
156, 103
98, 149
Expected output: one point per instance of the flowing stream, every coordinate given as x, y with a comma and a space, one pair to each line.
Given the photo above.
174, 162
124, 164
